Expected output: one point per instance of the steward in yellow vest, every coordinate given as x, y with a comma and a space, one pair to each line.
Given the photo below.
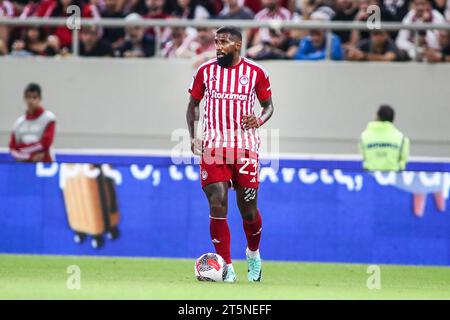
382, 145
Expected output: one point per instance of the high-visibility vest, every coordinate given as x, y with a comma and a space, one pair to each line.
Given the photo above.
383, 147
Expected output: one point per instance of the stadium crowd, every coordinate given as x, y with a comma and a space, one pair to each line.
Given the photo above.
370, 45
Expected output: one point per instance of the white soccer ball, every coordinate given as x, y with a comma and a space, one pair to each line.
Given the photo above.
210, 267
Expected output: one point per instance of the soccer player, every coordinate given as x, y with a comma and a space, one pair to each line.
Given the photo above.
33, 133
229, 149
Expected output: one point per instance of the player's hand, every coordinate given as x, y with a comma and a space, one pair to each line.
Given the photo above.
251, 121
196, 147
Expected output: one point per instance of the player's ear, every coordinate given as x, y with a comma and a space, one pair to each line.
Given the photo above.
238, 45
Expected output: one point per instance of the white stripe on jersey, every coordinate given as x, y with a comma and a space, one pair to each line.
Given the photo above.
239, 107
246, 106
216, 109
251, 108
224, 109
231, 115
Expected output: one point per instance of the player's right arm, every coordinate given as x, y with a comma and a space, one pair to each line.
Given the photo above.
196, 91
192, 115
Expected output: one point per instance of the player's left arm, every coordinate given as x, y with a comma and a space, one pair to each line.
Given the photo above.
264, 94
253, 121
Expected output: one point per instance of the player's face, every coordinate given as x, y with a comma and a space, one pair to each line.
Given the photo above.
227, 47
32, 100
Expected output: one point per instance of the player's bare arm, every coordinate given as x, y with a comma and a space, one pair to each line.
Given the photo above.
253, 121
192, 115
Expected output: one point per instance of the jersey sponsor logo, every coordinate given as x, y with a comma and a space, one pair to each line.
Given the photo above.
243, 80
228, 96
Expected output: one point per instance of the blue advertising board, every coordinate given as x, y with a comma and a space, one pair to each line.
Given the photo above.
325, 211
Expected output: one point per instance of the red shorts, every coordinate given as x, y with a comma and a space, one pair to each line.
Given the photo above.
239, 166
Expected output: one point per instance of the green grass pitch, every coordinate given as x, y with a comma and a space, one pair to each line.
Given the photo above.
45, 277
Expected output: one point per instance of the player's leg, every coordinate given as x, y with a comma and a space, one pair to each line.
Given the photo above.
217, 194
252, 222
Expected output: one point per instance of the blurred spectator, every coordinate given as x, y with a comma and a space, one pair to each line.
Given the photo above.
155, 10
308, 7
280, 46
59, 9
115, 36
6, 10
442, 55
190, 9
19, 5
91, 45
234, 10
257, 5
91, 9
422, 12
447, 11
178, 45
440, 5
137, 43
397, 9
203, 46
313, 47
214, 6
362, 15
135, 6
378, 48
382, 145
36, 43
36, 8
272, 11
33, 133
203, 43
345, 10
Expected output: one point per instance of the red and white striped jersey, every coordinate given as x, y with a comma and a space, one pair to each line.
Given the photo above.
230, 93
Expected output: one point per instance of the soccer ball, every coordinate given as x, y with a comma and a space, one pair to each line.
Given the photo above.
210, 267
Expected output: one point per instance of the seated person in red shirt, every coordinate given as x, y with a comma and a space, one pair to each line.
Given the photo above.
33, 133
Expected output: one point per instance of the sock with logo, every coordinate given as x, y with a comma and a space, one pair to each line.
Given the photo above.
253, 232
220, 236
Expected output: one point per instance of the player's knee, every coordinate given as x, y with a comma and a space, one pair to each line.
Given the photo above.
249, 214
218, 206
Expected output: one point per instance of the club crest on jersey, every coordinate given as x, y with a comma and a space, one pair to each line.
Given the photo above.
243, 80
204, 175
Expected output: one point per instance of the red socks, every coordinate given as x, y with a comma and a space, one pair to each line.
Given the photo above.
220, 236
253, 232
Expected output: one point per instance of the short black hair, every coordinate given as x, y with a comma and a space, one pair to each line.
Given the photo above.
33, 87
386, 113
231, 30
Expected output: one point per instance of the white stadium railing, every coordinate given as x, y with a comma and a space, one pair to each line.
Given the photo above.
328, 26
